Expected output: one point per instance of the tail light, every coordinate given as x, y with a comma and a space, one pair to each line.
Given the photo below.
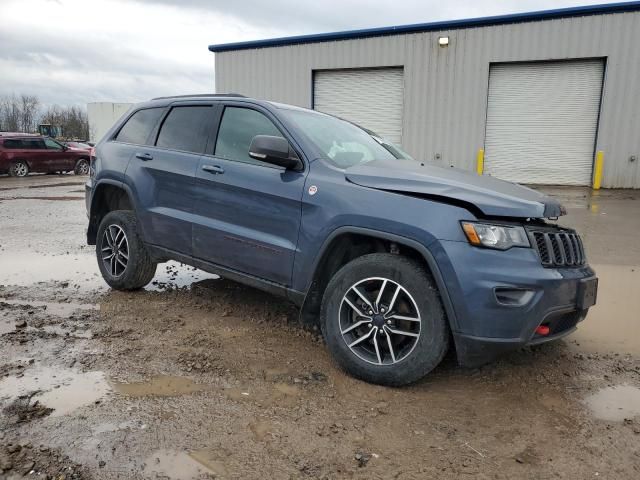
92, 162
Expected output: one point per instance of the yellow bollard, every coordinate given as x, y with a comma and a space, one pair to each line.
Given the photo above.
597, 170
480, 162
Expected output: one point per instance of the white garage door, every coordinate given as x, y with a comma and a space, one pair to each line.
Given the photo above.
372, 98
542, 120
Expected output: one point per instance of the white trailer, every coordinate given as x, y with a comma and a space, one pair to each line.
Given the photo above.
102, 115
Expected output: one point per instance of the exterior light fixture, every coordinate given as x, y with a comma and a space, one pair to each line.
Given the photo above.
443, 41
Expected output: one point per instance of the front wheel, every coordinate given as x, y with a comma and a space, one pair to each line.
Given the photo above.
383, 320
82, 167
123, 259
19, 169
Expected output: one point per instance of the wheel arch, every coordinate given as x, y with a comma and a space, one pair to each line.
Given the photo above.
330, 259
107, 196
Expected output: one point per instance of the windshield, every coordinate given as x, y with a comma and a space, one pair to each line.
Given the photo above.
339, 141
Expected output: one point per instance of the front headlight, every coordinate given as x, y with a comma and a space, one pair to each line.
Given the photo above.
500, 237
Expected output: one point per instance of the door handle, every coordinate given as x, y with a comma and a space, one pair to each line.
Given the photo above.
215, 169
144, 156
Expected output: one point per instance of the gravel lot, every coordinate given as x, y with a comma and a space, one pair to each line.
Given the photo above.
198, 377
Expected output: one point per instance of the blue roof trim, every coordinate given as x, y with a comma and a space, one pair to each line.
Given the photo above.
428, 27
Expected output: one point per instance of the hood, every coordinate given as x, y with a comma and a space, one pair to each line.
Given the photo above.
493, 197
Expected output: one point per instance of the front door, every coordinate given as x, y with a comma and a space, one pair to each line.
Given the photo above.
57, 156
247, 212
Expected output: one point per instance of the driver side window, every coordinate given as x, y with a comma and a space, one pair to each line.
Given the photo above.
52, 145
237, 129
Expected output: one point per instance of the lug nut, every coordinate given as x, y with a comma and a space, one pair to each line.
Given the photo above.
388, 322
370, 312
382, 309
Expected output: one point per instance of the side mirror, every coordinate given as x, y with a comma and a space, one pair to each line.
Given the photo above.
274, 150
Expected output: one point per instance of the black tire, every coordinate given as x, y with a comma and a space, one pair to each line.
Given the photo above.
19, 168
418, 293
82, 167
139, 269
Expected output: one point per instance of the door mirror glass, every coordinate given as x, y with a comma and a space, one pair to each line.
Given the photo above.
274, 150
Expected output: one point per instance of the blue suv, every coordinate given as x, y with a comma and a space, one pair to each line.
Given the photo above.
395, 260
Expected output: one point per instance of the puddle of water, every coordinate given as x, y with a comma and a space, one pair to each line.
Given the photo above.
238, 393
161, 386
27, 268
61, 198
261, 429
6, 326
615, 403
182, 465
613, 324
281, 394
62, 390
287, 390
55, 308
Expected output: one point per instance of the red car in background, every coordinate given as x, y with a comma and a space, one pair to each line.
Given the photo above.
21, 154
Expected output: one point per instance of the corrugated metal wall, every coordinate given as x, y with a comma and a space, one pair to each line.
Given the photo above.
446, 88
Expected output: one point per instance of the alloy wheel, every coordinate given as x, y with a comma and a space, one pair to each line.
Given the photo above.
83, 167
20, 169
379, 321
115, 250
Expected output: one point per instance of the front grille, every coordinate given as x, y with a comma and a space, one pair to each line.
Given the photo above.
558, 248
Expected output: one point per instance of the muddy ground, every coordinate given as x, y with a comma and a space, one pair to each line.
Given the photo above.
197, 377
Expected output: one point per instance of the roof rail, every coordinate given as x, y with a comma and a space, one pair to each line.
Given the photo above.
200, 95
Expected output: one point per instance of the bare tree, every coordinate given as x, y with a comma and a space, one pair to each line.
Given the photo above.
23, 113
9, 113
29, 107
73, 120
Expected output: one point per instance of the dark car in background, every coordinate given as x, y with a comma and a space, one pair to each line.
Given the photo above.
21, 154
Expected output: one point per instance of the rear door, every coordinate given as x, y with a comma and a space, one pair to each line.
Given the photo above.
36, 154
163, 175
247, 212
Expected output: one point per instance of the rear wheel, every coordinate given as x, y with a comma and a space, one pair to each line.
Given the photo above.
123, 259
82, 167
19, 168
383, 320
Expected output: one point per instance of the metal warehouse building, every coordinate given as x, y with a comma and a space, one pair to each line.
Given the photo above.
538, 93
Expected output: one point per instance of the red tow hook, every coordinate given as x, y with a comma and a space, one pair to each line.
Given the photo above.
543, 330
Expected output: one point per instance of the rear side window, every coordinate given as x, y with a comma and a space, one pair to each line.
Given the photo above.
186, 128
33, 144
139, 126
237, 129
13, 143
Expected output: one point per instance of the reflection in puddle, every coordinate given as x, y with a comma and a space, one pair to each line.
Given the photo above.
162, 386
58, 309
612, 325
615, 403
210, 460
181, 465
25, 269
62, 390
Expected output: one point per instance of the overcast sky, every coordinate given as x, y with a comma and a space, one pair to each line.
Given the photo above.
78, 51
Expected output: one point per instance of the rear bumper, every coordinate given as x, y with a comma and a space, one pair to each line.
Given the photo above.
500, 298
